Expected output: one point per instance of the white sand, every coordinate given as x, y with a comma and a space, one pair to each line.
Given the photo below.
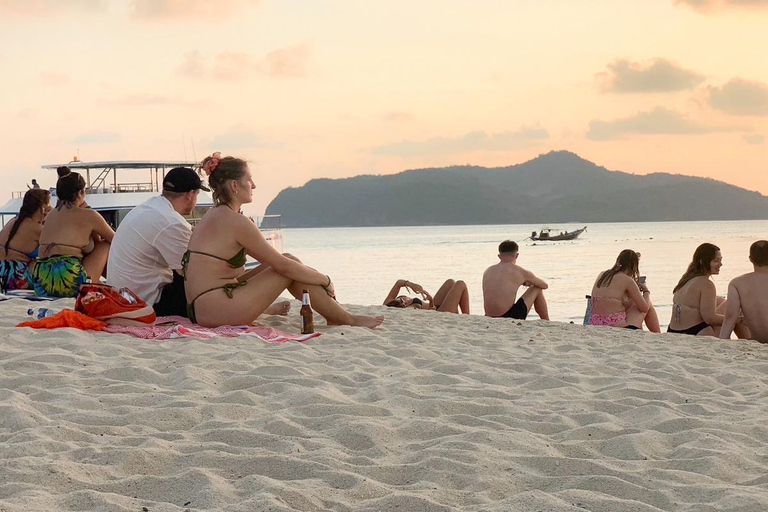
431, 412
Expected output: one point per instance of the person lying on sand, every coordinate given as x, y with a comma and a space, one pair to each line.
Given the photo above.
452, 296
218, 290
748, 294
502, 281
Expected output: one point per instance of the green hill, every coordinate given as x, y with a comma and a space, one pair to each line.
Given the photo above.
556, 187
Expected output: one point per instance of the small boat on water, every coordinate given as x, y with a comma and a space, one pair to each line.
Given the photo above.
113, 197
549, 235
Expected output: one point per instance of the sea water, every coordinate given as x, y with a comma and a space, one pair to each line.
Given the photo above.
365, 262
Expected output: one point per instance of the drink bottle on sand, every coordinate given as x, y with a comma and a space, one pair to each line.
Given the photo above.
307, 322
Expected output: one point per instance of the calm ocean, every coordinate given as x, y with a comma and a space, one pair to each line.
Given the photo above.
365, 262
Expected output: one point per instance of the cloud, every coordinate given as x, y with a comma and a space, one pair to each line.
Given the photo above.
291, 61
147, 99
169, 10
288, 61
49, 7
96, 138
192, 65
239, 137
657, 75
740, 97
659, 121
399, 117
712, 5
53, 79
473, 141
28, 114
754, 139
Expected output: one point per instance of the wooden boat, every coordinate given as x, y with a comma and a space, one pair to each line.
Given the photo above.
547, 235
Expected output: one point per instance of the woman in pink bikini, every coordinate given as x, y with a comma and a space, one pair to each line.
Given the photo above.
619, 299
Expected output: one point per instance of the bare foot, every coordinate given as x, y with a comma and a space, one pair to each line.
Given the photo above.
278, 308
370, 322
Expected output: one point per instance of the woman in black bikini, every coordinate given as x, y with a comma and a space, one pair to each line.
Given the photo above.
451, 297
219, 290
696, 308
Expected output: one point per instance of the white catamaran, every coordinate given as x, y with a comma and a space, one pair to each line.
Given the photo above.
113, 198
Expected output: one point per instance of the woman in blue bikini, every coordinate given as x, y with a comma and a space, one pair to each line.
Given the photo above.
219, 289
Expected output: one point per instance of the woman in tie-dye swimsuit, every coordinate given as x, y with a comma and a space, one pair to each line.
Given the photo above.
68, 252
618, 300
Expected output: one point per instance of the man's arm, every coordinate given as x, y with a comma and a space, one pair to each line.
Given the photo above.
531, 279
732, 309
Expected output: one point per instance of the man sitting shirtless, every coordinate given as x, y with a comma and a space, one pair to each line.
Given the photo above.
748, 294
502, 281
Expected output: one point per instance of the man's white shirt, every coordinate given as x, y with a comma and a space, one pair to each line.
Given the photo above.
148, 245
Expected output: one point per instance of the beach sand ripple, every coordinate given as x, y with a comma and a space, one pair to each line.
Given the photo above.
431, 412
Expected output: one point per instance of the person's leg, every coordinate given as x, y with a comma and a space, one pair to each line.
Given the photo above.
95, 262
215, 308
652, 320
636, 317
331, 310
457, 296
534, 297
740, 330
442, 292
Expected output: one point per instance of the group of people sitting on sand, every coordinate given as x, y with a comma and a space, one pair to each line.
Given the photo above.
620, 297
197, 274
201, 274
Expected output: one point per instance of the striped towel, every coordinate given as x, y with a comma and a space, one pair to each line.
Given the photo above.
172, 327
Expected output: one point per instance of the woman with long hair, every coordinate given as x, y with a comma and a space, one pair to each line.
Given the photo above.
696, 308
450, 297
74, 243
218, 289
20, 238
619, 298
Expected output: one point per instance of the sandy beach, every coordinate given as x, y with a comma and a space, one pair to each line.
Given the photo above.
431, 412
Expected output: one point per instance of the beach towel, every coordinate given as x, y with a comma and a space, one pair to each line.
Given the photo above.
173, 327
66, 318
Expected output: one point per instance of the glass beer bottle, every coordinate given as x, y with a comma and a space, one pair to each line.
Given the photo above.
307, 322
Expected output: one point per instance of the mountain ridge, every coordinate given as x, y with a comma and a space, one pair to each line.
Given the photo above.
558, 186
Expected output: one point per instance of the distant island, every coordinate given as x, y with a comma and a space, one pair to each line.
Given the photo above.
557, 187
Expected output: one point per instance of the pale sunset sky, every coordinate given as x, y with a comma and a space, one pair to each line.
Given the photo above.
336, 88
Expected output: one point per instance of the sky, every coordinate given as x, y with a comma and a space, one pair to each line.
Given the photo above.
307, 89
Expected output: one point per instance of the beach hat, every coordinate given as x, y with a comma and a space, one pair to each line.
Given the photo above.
183, 179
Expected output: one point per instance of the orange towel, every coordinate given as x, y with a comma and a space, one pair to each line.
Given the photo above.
66, 318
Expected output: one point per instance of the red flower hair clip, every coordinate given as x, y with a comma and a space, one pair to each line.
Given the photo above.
211, 163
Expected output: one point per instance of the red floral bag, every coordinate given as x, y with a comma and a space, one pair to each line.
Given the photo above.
108, 304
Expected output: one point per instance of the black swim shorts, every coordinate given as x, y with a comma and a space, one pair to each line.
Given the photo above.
519, 311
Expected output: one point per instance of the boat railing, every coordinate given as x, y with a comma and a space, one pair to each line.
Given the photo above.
135, 187
18, 195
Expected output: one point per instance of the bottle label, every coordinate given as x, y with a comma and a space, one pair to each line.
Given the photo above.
305, 299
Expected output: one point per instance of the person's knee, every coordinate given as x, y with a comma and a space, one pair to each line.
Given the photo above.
460, 284
449, 283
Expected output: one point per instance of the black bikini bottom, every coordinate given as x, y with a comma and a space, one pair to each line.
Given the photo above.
693, 331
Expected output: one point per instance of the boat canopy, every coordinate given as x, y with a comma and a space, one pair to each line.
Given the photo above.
106, 193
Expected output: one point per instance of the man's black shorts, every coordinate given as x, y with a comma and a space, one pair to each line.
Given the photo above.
519, 311
173, 298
